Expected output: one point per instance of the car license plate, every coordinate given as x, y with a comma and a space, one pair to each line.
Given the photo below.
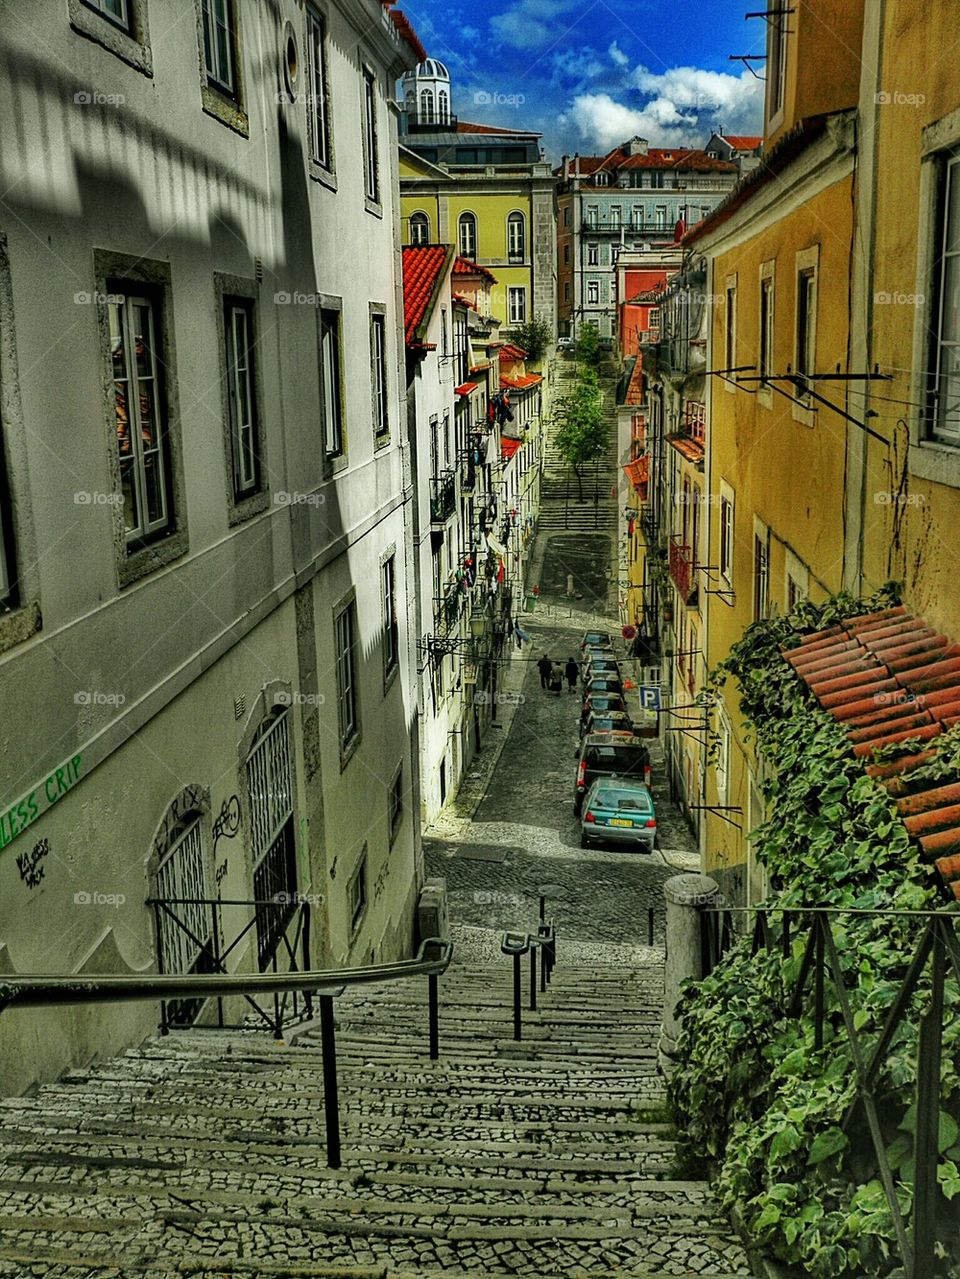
620, 821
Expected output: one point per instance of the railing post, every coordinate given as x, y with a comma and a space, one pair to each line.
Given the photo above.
930, 1051
688, 945
217, 960
305, 958
434, 1011
650, 926
164, 1026
331, 1102
517, 1014
533, 978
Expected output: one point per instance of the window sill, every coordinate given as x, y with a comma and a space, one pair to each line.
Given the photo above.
381, 441
806, 417
225, 110
141, 563
765, 398
935, 461
326, 177
373, 206
390, 677
19, 625
348, 750
136, 53
245, 508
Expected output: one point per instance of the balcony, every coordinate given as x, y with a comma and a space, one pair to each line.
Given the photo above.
645, 229
448, 609
680, 567
468, 470
443, 497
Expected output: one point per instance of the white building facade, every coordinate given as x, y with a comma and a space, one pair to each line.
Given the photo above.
204, 453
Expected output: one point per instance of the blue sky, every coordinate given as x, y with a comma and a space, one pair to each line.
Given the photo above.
589, 74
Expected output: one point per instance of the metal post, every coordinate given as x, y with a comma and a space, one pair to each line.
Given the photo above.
533, 978
649, 925
331, 1103
434, 1002
305, 940
217, 960
925, 1189
164, 1025
543, 908
543, 968
277, 1011
516, 998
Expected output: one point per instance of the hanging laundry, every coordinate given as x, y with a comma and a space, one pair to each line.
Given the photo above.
491, 449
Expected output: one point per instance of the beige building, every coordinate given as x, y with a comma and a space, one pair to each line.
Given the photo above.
205, 552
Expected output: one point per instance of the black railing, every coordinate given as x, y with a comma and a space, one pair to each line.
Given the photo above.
290, 932
923, 982
443, 496
433, 959
447, 610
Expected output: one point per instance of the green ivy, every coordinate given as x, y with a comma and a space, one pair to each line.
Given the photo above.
753, 1093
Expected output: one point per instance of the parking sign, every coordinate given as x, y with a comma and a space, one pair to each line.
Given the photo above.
649, 697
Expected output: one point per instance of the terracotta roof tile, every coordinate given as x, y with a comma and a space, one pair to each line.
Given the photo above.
888, 678
463, 266
741, 141
691, 449
466, 126
423, 266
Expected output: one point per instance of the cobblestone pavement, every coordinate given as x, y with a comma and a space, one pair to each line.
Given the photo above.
512, 829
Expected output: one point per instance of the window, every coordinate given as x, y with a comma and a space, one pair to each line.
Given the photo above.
517, 304
592, 214
776, 62
722, 761
443, 106
730, 330
467, 227
396, 803
761, 570
317, 106
419, 228
134, 323
444, 334
378, 373
566, 292
370, 162
241, 396
426, 106
797, 583
345, 627
615, 216
593, 255
593, 292
613, 288
566, 216
806, 325
391, 637
114, 10
331, 400
516, 237
766, 327
269, 777
726, 534
566, 255
357, 892
660, 217
944, 414
218, 55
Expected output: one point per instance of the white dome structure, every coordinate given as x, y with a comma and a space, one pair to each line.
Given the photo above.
426, 93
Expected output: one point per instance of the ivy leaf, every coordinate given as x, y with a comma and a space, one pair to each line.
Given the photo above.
827, 1143
948, 1132
948, 1175
786, 1140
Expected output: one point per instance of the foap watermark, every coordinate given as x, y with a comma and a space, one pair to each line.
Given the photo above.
499, 899
94, 98
282, 98
98, 899
298, 499
83, 298
898, 99
296, 298
297, 899
883, 498
692, 498
483, 99
285, 698
899, 299
900, 697
84, 498
96, 697
484, 698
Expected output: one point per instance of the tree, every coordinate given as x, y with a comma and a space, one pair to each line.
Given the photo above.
581, 431
534, 336
588, 345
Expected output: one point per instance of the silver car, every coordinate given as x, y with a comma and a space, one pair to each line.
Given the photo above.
621, 811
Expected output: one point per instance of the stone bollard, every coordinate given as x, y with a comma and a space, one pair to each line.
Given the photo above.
685, 895
570, 588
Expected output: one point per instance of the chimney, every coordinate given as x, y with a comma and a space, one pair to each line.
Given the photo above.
576, 164
636, 146
566, 166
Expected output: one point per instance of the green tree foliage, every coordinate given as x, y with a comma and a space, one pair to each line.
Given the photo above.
581, 434
588, 345
753, 1093
534, 336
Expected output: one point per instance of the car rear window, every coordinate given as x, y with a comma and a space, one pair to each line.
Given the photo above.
618, 759
621, 797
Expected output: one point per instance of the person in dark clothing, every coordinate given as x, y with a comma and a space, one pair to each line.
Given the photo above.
571, 670
545, 667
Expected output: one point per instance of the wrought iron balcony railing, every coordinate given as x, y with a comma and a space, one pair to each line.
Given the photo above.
443, 497
680, 566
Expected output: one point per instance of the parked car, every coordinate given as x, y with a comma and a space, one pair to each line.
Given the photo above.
602, 702
605, 682
606, 722
620, 810
595, 639
597, 663
566, 346
609, 755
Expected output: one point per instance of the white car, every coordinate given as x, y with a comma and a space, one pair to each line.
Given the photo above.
565, 346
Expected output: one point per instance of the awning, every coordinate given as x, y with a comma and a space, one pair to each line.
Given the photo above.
692, 450
465, 388
638, 473
508, 446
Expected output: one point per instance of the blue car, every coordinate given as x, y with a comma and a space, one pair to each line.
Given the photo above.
621, 811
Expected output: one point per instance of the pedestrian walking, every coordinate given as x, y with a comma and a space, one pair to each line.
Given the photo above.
545, 667
556, 682
572, 671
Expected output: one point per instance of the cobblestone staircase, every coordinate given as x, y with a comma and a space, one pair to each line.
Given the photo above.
202, 1153
560, 507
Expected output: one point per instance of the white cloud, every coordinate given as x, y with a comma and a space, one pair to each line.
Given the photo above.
737, 96
617, 55
470, 33
532, 24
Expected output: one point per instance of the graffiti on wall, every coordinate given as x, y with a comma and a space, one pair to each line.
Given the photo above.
30, 865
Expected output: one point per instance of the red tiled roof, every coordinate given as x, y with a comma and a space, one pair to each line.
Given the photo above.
464, 126
888, 678
463, 266
465, 388
638, 473
634, 394
402, 23
458, 297
522, 382
422, 271
742, 141
692, 450
509, 351
667, 158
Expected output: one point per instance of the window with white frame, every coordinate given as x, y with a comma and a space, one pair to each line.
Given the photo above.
378, 372
357, 893
765, 359
426, 106
761, 570
593, 255
391, 634
593, 214
134, 326
371, 167
593, 292
395, 815
115, 11
730, 329
331, 397
346, 658
613, 288
660, 217
419, 228
467, 235
269, 777
218, 45
615, 215
726, 533
517, 304
241, 396
443, 106
806, 345
944, 415
797, 583
516, 237
777, 31
722, 760
318, 111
